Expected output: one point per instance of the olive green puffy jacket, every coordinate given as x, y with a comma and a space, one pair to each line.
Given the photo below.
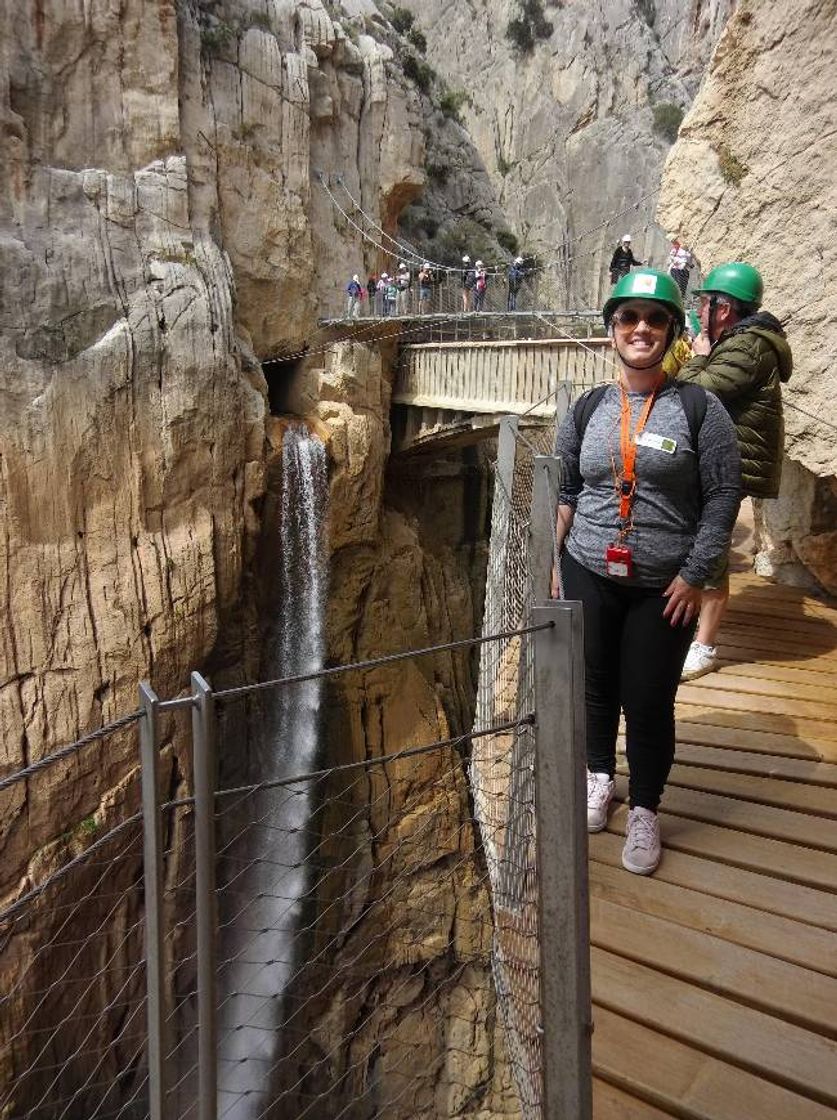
744, 370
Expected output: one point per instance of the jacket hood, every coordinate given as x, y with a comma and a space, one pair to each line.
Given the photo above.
768, 327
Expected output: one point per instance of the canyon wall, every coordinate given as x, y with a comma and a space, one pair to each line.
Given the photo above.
569, 134
751, 178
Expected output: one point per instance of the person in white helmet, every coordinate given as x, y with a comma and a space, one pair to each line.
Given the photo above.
623, 259
354, 294
480, 285
404, 282
515, 278
469, 280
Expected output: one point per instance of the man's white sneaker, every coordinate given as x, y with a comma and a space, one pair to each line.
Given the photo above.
599, 793
642, 852
699, 660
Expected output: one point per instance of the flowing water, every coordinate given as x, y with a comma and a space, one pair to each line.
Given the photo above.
267, 888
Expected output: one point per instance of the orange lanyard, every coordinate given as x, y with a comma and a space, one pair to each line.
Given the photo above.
627, 445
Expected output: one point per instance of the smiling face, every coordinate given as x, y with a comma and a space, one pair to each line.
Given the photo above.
641, 332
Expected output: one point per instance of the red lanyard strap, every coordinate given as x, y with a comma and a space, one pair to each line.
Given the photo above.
627, 445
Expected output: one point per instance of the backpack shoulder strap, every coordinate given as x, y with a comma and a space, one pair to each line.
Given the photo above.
693, 400
585, 406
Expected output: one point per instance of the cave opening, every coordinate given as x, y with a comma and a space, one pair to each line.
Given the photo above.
280, 375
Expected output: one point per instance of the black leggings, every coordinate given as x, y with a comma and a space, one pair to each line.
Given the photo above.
633, 661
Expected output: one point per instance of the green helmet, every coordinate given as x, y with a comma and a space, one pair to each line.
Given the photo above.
646, 283
736, 279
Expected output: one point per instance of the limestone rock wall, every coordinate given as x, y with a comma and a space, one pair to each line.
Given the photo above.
157, 220
565, 133
751, 177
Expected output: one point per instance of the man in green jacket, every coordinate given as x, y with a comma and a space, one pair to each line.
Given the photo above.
742, 356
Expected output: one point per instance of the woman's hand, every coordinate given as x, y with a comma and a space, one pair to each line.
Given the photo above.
683, 602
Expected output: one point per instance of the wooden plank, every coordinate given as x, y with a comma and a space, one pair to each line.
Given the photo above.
687, 832
747, 649
610, 1103
773, 645
771, 1048
816, 634
689, 693
779, 671
739, 739
719, 880
693, 1084
797, 797
772, 766
739, 680
783, 938
821, 735
804, 829
756, 979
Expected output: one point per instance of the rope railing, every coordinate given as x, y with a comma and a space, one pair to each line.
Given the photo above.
70, 749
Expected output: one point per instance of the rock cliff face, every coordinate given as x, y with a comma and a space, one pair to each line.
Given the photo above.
159, 230
751, 177
572, 131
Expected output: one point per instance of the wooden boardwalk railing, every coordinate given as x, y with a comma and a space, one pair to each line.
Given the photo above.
499, 377
715, 981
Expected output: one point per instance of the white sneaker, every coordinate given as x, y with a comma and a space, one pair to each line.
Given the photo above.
599, 793
699, 660
642, 851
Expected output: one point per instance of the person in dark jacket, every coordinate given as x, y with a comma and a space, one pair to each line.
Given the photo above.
515, 275
623, 260
743, 357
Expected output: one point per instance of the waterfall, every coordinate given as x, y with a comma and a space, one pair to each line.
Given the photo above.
268, 889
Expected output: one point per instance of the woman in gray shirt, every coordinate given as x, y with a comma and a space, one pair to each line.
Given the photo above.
650, 493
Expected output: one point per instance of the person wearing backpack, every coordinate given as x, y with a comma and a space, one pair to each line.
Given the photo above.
404, 282
743, 357
469, 280
480, 285
354, 294
649, 496
515, 279
425, 287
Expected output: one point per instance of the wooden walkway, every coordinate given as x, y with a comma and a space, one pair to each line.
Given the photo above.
715, 980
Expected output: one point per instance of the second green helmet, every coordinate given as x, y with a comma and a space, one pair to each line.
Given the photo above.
737, 279
650, 284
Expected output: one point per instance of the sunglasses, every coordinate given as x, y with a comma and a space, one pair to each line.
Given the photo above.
655, 319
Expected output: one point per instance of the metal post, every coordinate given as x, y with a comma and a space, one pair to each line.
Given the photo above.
561, 809
152, 852
547, 482
203, 739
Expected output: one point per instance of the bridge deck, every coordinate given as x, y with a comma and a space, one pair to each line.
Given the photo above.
715, 981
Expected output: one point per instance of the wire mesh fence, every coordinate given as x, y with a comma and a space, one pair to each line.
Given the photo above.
354, 941
72, 977
334, 944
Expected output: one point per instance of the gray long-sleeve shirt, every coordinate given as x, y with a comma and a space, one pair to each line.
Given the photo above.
685, 505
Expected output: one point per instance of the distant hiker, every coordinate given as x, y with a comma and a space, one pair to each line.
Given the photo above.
372, 292
391, 296
679, 264
425, 286
623, 259
515, 279
480, 285
354, 292
742, 356
381, 294
469, 281
404, 281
